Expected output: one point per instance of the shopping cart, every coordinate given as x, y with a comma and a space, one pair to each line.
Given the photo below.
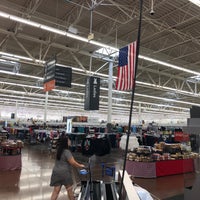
92, 185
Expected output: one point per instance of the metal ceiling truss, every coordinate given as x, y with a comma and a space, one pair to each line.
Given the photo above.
170, 34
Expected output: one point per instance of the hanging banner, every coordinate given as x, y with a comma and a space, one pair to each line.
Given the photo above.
56, 75
92, 92
63, 76
50, 85
49, 73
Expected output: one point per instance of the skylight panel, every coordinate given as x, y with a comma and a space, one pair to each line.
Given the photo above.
196, 2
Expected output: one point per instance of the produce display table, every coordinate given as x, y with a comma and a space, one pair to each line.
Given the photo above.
11, 162
159, 168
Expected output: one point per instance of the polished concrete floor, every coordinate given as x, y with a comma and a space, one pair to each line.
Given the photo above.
32, 181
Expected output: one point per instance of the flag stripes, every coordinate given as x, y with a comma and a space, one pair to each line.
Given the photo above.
126, 67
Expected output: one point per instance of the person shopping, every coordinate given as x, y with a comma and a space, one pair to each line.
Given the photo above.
62, 172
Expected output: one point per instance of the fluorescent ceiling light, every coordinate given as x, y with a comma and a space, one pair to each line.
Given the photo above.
103, 45
67, 92
16, 97
23, 75
50, 96
77, 37
166, 99
23, 58
7, 61
38, 98
5, 15
21, 85
142, 102
194, 78
88, 72
24, 21
54, 30
10, 58
15, 56
29, 76
167, 88
168, 65
7, 72
196, 2
161, 105
73, 68
51, 29
40, 61
53, 103
77, 84
39, 101
36, 87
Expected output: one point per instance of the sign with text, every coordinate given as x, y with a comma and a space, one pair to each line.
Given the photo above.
49, 73
92, 92
56, 75
50, 85
63, 76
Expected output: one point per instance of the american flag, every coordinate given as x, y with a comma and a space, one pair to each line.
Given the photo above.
126, 67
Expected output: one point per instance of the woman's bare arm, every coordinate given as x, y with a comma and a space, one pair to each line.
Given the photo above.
74, 163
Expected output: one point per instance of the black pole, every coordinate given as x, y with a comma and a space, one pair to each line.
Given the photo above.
132, 98
90, 179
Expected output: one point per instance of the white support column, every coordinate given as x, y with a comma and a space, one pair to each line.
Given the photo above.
16, 111
110, 85
139, 113
45, 107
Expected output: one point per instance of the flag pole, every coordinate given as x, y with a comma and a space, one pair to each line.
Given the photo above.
132, 98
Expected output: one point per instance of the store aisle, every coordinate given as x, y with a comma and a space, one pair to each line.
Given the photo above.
32, 181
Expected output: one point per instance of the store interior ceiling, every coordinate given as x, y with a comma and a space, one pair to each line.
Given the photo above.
35, 31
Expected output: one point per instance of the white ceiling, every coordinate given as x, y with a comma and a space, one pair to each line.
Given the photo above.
170, 35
